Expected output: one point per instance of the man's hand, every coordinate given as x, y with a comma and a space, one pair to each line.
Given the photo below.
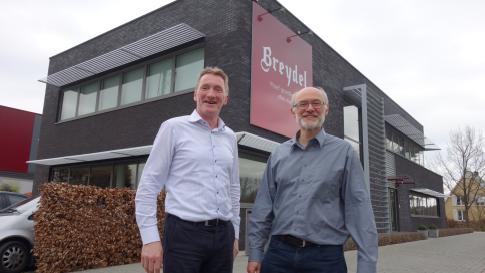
152, 257
254, 267
236, 248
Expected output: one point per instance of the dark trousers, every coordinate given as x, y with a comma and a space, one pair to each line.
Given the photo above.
192, 247
282, 257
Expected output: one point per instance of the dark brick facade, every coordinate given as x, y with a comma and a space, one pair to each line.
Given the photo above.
422, 178
227, 44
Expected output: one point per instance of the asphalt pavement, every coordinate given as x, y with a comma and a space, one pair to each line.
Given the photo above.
454, 254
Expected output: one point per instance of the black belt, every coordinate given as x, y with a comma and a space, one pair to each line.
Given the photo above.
206, 223
294, 241
213, 223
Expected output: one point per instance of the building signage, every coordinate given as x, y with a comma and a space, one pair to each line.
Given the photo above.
281, 65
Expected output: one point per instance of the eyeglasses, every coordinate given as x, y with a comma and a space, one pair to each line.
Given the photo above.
302, 105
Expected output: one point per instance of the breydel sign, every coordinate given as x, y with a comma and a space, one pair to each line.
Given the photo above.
280, 67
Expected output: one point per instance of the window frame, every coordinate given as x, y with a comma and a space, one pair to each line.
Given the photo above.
145, 64
418, 205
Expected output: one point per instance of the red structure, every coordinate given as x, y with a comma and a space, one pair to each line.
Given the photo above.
16, 132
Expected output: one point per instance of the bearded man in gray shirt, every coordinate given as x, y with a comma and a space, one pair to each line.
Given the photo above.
311, 199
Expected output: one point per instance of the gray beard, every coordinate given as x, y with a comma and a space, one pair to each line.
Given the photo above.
310, 125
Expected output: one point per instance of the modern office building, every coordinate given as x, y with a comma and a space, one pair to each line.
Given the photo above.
105, 100
19, 140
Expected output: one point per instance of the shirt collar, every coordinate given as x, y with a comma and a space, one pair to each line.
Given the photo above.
319, 138
196, 118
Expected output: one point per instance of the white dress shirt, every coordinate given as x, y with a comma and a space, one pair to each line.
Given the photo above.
199, 168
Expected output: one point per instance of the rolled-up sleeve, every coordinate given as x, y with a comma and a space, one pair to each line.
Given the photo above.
262, 215
359, 217
153, 178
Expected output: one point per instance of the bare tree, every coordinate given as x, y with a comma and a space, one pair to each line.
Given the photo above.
463, 168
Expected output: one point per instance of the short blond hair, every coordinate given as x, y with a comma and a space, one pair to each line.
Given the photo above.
214, 70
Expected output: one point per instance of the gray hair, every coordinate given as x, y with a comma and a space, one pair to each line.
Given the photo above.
214, 70
323, 93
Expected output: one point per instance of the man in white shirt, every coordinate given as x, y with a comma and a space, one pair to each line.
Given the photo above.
195, 159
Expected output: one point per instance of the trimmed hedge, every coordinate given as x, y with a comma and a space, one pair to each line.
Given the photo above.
81, 227
454, 231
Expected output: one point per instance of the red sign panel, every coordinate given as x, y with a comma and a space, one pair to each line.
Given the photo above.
16, 127
281, 65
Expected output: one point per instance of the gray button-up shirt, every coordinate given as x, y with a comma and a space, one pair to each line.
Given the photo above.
318, 194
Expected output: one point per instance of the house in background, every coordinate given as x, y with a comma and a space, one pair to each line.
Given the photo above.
19, 139
470, 190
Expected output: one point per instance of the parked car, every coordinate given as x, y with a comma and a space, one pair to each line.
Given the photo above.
17, 236
10, 198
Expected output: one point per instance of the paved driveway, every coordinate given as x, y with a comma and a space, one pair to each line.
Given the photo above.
455, 254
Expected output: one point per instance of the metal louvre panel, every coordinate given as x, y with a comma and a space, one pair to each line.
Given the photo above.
404, 126
390, 164
158, 42
108, 61
374, 104
377, 157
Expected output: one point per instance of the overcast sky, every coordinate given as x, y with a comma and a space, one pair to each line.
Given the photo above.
428, 56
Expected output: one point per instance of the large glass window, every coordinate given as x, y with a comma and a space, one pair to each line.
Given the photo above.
108, 95
139, 171
119, 175
87, 98
125, 176
132, 86
188, 67
251, 171
159, 79
151, 80
60, 175
101, 176
69, 104
79, 175
351, 126
423, 205
398, 143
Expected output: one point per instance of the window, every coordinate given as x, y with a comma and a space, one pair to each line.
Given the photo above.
60, 175
188, 67
251, 170
146, 82
87, 98
118, 175
481, 201
423, 205
159, 79
139, 171
459, 201
101, 176
69, 103
108, 95
132, 86
351, 126
125, 176
79, 175
13, 198
398, 143
460, 215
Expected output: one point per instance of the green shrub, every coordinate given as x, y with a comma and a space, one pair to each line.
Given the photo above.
432, 226
422, 227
